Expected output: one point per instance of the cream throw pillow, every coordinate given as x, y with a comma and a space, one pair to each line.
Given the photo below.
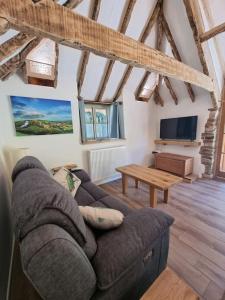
101, 218
67, 179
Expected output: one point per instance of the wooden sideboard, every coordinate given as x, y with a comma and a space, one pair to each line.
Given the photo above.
174, 163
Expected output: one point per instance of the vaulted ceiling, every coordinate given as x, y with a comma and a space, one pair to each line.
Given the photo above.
101, 79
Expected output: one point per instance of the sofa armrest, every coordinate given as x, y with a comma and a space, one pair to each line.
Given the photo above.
56, 265
120, 248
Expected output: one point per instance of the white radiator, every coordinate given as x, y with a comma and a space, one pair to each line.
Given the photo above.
102, 163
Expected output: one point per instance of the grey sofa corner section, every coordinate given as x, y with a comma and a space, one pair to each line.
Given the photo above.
57, 265
37, 196
29, 162
66, 259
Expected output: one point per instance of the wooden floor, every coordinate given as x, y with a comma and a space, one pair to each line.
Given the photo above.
169, 286
197, 241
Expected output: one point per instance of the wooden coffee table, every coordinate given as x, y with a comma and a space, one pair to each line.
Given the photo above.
154, 178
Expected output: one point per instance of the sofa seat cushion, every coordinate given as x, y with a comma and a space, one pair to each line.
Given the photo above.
119, 249
112, 202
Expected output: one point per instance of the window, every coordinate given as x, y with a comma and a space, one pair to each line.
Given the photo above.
101, 121
97, 122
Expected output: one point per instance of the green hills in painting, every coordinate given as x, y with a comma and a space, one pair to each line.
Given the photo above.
42, 127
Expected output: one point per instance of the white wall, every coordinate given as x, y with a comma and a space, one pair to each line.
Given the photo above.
58, 149
54, 150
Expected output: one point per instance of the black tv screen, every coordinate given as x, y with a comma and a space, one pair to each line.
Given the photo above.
179, 128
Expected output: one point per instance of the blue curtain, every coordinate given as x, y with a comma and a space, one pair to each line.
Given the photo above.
114, 121
117, 121
82, 121
121, 121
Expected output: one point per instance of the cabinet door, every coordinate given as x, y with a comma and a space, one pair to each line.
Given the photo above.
170, 165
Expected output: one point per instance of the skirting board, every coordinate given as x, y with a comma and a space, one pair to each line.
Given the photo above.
109, 179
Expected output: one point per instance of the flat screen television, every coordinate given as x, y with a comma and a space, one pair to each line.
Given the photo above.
179, 128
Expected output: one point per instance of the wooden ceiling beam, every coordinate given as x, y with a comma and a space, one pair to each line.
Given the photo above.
76, 31
86, 54
197, 26
72, 3
13, 44
176, 54
12, 65
144, 35
171, 90
110, 64
212, 32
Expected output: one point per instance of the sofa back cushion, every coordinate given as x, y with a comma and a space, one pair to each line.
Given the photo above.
38, 199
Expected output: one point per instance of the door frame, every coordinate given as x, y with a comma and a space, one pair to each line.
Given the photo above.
221, 136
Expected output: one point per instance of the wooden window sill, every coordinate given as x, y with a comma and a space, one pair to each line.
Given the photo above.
102, 141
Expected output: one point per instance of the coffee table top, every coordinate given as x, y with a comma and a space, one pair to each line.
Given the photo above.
159, 179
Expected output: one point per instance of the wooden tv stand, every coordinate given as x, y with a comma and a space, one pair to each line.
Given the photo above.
174, 163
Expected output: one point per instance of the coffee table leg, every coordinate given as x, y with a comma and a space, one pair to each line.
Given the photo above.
166, 196
153, 197
136, 183
124, 183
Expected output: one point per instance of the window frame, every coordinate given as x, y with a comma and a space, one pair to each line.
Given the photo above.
94, 107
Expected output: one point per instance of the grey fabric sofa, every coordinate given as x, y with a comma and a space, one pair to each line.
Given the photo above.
64, 258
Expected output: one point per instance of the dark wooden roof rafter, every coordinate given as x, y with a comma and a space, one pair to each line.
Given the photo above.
72, 3
108, 70
16, 62
176, 53
171, 90
4, 25
12, 45
144, 35
159, 39
86, 54
212, 32
197, 27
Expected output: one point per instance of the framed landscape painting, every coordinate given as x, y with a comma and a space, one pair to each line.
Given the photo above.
35, 116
